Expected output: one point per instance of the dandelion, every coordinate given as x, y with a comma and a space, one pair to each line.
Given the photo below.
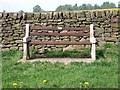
80, 83
86, 83
14, 84
21, 82
44, 81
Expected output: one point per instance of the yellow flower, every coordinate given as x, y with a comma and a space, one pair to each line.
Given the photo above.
80, 83
86, 83
14, 84
21, 82
44, 81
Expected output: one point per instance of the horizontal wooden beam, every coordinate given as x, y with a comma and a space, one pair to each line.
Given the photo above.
61, 42
58, 34
59, 28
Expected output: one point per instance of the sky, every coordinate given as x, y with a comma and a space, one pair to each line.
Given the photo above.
47, 5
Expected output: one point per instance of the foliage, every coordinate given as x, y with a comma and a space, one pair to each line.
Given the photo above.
21, 11
64, 8
85, 6
119, 4
108, 5
37, 8
67, 53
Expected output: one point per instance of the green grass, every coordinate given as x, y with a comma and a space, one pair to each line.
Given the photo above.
103, 73
58, 53
68, 53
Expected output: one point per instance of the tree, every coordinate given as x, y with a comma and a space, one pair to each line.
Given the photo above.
119, 4
83, 7
75, 7
21, 11
59, 8
108, 5
37, 8
96, 6
89, 7
66, 7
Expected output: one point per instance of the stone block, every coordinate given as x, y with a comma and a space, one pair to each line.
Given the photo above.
78, 47
15, 15
115, 25
19, 41
107, 34
38, 46
10, 38
16, 38
36, 16
66, 15
13, 48
110, 39
15, 44
43, 15
55, 15
5, 42
60, 23
29, 21
41, 50
1, 21
58, 46
11, 42
68, 48
88, 14
115, 12
30, 15
101, 43
20, 45
108, 30
60, 15
98, 14
20, 48
5, 49
0, 39
7, 46
1, 15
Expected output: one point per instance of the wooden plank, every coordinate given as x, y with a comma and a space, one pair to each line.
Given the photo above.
61, 42
59, 28
59, 34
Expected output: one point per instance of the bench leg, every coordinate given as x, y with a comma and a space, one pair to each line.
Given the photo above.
93, 52
25, 51
26, 44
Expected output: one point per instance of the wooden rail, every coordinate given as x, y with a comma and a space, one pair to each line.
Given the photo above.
59, 28
61, 42
58, 34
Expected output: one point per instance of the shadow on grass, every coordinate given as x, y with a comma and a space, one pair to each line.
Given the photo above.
105, 51
100, 53
63, 54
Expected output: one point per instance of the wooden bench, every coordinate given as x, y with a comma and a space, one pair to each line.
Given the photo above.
27, 41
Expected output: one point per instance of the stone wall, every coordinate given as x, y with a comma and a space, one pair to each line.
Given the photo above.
12, 26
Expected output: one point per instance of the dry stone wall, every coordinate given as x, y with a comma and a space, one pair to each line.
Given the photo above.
12, 27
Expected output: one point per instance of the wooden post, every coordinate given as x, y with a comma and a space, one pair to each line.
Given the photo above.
25, 44
93, 41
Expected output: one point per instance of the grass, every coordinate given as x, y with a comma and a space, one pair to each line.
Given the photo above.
103, 73
57, 53
67, 53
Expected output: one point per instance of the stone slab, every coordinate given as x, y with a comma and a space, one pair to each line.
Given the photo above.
60, 60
